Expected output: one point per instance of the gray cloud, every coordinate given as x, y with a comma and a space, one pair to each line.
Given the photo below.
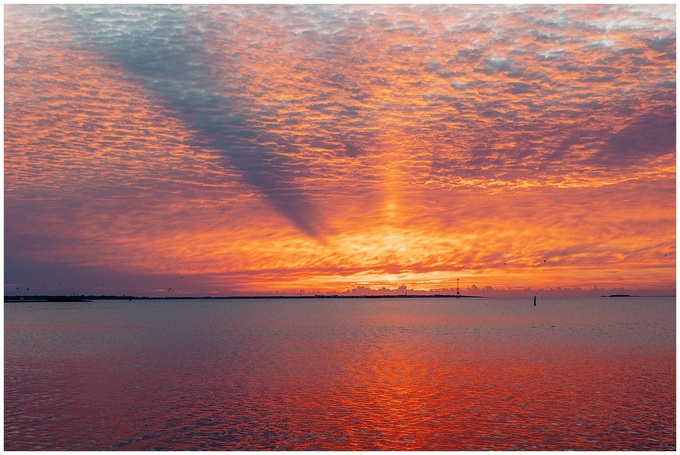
641, 141
520, 88
164, 52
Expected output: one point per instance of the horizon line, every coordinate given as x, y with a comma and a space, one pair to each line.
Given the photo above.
85, 297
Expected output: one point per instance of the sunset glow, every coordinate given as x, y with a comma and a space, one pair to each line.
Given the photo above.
248, 149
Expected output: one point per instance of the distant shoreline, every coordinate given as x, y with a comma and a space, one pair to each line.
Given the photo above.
90, 298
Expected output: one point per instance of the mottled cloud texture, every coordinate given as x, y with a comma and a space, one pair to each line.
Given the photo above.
277, 147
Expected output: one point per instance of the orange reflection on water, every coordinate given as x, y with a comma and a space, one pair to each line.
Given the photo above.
364, 374
491, 388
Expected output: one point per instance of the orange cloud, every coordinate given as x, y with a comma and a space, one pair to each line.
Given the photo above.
284, 148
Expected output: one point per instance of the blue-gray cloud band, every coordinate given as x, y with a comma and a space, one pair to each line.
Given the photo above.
164, 52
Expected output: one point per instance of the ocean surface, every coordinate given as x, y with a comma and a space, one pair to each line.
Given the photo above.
341, 374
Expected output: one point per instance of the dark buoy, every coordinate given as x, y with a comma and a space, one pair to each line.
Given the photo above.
534, 300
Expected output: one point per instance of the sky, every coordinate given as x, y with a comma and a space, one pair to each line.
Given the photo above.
261, 149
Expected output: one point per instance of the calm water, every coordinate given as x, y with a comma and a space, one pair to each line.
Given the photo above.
341, 374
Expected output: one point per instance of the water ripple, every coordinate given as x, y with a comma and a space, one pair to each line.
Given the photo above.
359, 375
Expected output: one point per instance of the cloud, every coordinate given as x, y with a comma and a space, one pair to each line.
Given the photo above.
163, 51
648, 137
520, 88
470, 130
494, 64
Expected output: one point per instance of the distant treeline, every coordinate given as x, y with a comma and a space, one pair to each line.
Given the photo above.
48, 298
87, 298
